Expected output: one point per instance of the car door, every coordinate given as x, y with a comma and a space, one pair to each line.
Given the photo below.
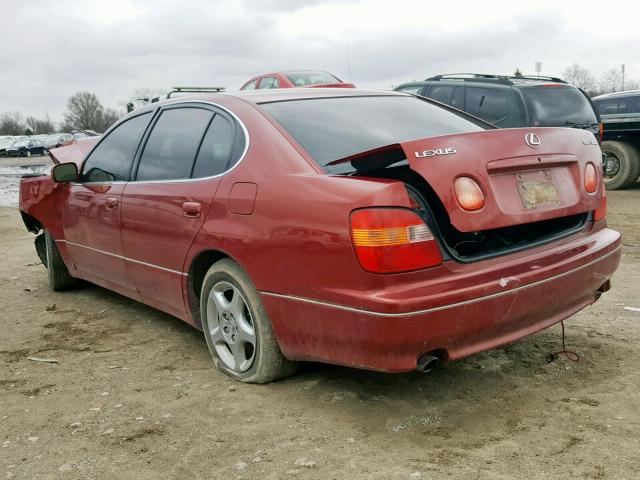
177, 174
91, 217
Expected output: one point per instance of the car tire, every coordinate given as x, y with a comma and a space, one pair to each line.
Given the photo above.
237, 329
624, 168
59, 277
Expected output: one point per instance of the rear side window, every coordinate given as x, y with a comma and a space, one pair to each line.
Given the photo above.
492, 105
217, 149
173, 143
635, 104
112, 158
333, 128
612, 107
558, 106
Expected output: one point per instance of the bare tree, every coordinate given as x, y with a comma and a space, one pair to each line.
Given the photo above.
40, 125
11, 124
109, 117
580, 77
611, 81
84, 112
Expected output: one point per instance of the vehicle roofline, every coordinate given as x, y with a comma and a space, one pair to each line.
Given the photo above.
630, 93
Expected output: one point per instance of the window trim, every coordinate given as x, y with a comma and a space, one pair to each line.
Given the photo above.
155, 114
191, 104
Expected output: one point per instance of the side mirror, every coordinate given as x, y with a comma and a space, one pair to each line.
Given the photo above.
65, 172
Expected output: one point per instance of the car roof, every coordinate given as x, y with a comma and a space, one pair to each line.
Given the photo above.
508, 80
281, 95
628, 93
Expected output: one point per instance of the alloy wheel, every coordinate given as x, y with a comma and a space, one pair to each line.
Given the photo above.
231, 327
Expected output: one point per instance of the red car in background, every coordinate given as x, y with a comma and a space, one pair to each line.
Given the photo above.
373, 229
297, 78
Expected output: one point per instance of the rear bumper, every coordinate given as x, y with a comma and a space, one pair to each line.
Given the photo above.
529, 297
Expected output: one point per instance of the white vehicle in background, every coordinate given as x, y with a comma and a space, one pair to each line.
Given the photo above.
5, 142
55, 140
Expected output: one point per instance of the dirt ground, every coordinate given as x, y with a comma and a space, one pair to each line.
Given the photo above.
134, 395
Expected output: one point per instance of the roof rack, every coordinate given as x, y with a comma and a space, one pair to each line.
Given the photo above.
193, 90
500, 78
131, 104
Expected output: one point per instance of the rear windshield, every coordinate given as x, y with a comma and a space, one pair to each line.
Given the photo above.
551, 106
300, 79
333, 128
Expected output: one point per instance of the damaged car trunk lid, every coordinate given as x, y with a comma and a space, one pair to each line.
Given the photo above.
520, 183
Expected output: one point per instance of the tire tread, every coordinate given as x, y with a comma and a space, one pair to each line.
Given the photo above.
59, 277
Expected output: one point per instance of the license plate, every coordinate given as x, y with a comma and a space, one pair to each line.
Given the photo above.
536, 192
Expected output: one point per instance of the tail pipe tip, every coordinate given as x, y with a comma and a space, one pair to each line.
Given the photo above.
427, 362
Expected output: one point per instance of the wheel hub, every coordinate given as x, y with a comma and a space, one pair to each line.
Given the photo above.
229, 327
612, 166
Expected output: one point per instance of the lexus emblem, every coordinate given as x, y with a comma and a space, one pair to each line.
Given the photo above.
532, 140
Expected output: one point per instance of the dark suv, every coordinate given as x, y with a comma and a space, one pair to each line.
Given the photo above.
620, 114
512, 101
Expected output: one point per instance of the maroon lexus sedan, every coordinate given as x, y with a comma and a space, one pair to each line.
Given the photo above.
372, 229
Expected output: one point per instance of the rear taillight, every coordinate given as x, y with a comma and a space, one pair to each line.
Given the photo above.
590, 178
600, 213
468, 193
601, 129
391, 240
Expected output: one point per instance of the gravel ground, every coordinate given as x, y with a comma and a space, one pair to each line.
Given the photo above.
133, 395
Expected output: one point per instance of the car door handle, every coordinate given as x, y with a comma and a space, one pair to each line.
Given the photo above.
191, 209
111, 203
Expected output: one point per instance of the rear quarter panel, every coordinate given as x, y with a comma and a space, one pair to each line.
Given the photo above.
43, 199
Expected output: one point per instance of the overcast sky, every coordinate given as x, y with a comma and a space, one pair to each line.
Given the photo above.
51, 49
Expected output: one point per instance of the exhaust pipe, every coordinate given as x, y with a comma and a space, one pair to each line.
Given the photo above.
605, 287
427, 362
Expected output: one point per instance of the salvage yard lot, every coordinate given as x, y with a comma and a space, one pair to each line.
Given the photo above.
134, 395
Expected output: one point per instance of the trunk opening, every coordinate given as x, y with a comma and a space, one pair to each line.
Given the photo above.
464, 246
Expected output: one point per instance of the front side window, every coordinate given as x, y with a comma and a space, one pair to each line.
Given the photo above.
250, 86
635, 104
171, 149
413, 89
269, 82
448, 94
111, 160
441, 93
